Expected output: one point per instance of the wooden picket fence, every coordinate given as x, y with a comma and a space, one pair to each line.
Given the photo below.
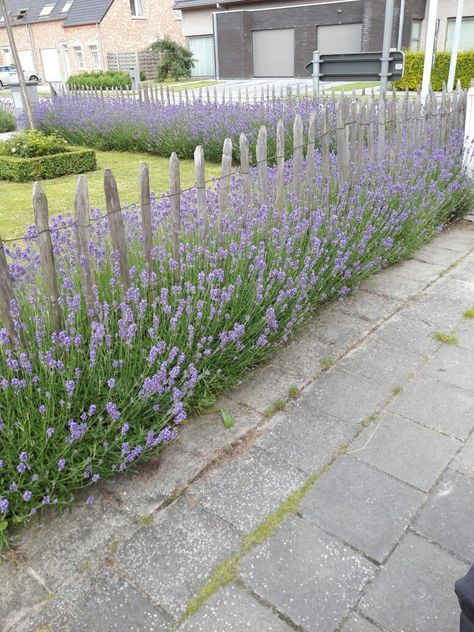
360, 130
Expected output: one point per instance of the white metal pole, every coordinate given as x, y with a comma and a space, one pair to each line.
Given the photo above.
401, 19
315, 73
429, 47
387, 42
455, 47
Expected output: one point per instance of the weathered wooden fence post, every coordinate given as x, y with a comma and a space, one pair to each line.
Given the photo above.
175, 200
145, 204
381, 131
200, 175
245, 165
262, 165
280, 159
297, 156
326, 140
6, 298
82, 222
311, 147
40, 206
117, 231
224, 184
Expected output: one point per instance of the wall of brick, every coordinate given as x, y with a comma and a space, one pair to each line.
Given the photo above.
119, 31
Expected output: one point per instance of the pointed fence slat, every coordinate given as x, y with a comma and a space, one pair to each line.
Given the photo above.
311, 148
224, 184
280, 160
381, 130
200, 175
117, 231
262, 164
297, 155
82, 222
145, 205
6, 297
326, 140
175, 200
245, 165
45, 245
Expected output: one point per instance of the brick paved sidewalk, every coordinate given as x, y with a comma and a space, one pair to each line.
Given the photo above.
341, 499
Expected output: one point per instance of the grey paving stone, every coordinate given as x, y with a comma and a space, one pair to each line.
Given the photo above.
245, 490
414, 591
207, 434
452, 365
358, 624
100, 601
305, 437
435, 253
464, 461
347, 396
231, 609
339, 330
437, 405
464, 272
458, 238
447, 514
146, 489
59, 544
406, 450
404, 332
371, 307
390, 283
419, 270
307, 575
18, 594
466, 334
364, 507
381, 362
171, 559
301, 358
450, 289
262, 387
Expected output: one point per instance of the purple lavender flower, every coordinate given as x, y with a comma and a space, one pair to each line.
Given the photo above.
90, 500
4, 504
111, 382
27, 496
61, 464
50, 432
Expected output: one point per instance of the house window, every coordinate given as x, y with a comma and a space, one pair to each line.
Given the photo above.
466, 37
47, 9
95, 57
78, 57
66, 7
21, 14
415, 40
136, 7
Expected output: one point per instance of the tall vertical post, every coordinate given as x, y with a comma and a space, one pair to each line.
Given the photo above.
19, 69
455, 47
316, 74
387, 39
468, 158
401, 20
429, 48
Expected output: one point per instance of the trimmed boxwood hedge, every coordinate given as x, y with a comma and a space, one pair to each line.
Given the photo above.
77, 160
100, 79
414, 70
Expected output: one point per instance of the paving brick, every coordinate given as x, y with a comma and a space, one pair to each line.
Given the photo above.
466, 334
339, 330
304, 437
307, 575
434, 253
405, 332
464, 461
231, 609
419, 270
406, 450
16, 602
464, 272
262, 387
368, 306
381, 362
173, 557
364, 507
358, 624
347, 396
245, 490
415, 589
452, 365
55, 616
447, 513
390, 283
437, 405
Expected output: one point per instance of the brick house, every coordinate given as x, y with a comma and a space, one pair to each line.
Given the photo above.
57, 38
234, 39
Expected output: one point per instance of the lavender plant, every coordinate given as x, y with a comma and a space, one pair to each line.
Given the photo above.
92, 400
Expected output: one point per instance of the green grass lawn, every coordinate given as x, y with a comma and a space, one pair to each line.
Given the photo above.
16, 210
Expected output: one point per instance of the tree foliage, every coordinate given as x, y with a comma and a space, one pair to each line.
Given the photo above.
176, 61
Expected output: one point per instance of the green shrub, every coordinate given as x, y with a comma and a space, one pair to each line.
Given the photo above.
32, 144
7, 121
75, 160
100, 79
176, 61
414, 70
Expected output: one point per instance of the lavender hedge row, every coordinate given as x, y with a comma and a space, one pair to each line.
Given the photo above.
92, 400
161, 129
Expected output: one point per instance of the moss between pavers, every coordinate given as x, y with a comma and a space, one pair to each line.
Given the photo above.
469, 313
447, 339
76, 160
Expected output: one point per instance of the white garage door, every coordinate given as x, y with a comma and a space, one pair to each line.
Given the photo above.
340, 38
274, 53
51, 67
26, 60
